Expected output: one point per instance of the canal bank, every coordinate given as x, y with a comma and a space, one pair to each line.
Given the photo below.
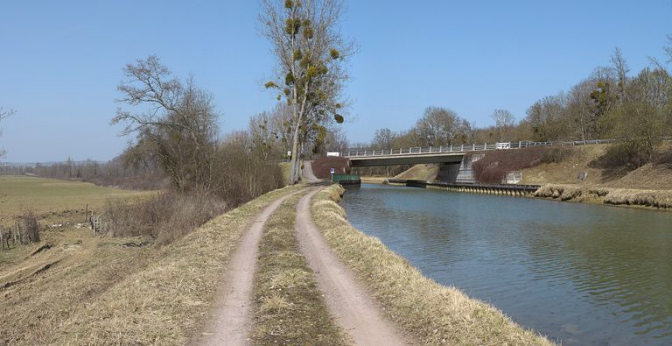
433, 313
660, 200
578, 273
648, 199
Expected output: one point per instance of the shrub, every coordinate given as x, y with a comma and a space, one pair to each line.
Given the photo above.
629, 155
241, 175
555, 155
664, 158
30, 228
165, 217
492, 168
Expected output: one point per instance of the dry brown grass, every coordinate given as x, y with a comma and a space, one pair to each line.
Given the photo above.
495, 164
43, 290
435, 314
661, 199
165, 217
567, 171
373, 180
103, 290
289, 307
649, 176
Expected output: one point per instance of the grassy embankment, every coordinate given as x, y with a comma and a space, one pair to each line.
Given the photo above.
100, 290
646, 186
417, 172
420, 172
289, 307
435, 314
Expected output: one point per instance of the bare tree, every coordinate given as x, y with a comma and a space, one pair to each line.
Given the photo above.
309, 73
504, 122
263, 139
438, 126
178, 129
282, 126
621, 67
3, 115
383, 139
335, 140
548, 120
581, 110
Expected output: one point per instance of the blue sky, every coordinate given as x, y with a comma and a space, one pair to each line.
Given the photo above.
60, 61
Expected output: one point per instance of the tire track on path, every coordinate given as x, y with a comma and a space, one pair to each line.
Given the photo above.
232, 320
354, 309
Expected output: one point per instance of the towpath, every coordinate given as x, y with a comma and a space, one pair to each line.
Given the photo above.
351, 305
232, 321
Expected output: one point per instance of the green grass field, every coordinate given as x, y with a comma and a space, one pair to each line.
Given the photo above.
50, 195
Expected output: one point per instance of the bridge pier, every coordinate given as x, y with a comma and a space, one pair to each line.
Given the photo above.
448, 172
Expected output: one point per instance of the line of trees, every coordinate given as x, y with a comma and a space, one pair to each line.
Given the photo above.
437, 127
610, 103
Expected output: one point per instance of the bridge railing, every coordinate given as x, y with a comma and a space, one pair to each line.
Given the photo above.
462, 148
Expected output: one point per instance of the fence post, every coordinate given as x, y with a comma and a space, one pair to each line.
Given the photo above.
473, 147
462, 148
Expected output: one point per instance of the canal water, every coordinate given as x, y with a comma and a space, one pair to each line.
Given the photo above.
579, 274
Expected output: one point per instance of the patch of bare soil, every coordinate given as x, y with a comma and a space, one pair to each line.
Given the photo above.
346, 298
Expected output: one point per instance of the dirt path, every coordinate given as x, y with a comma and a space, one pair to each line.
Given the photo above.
347, 300
308, 175
231, 321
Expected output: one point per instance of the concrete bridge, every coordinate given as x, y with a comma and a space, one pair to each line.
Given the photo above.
453, 165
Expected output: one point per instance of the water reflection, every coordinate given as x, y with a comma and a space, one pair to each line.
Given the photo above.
581, 274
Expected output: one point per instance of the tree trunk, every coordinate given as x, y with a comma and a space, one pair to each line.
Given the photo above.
295, 156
